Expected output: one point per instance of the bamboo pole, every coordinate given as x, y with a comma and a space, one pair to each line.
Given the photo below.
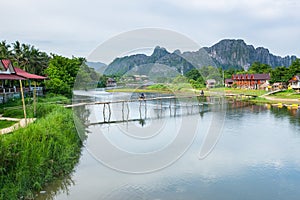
34, 100
23, 101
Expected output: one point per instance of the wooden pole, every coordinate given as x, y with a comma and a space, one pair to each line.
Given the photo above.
34, 100
23, 101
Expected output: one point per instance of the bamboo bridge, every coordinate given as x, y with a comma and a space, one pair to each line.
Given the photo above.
193, 104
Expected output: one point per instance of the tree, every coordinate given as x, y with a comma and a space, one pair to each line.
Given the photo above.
193, 74
295, 67
180, 79
5, 51
29, 58
63, 72
229, 72
280, 74
259, 68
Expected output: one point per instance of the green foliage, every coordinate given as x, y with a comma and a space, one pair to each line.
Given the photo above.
63, 71
281, 74
287, 94
193, 74
180, 79
157, 86
102, 81
13, 108
231, 71
197, 77
295, 67
5, 50
25, 56
33, 156
6, 123
196, 84
259, 68
86, 78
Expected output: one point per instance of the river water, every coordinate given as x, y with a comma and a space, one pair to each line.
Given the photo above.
155, 153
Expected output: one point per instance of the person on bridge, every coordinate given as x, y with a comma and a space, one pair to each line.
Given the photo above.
202, 93
142, 96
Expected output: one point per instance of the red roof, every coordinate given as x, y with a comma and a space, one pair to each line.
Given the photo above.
251, 76
27, 75
11, 77
5, 63
262, 76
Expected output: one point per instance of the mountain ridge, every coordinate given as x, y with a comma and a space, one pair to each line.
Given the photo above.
227, 53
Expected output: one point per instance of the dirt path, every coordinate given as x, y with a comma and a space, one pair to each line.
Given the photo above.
19, 123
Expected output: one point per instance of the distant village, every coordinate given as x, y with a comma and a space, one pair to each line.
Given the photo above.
243, 81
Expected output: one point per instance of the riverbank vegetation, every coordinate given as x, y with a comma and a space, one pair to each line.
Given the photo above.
43, 151
6, 123
13, 108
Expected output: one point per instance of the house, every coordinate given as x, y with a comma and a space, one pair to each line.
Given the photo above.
143, 78
279, 86
9, 80
228, 82
210, 83
111, 82
295, 83
251, 81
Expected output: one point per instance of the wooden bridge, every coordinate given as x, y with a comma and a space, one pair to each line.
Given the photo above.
172, 103
138, 100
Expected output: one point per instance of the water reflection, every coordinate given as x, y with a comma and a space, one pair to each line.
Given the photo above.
256, 158
57, 187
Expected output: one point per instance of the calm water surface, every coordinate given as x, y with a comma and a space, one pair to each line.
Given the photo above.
256, 157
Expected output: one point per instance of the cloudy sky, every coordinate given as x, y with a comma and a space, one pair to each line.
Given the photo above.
77, 27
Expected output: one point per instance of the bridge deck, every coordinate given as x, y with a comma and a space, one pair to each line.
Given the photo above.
136, 100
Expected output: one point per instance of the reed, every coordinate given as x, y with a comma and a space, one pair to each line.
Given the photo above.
43, 151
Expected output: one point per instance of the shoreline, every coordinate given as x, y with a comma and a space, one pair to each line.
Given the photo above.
260, 98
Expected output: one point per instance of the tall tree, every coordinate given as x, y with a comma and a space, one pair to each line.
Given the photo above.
63, 72
259, 68
295, 67
5, 51
280, 74
29, 58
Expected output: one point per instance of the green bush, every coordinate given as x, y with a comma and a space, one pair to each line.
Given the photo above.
32, 156
157, 86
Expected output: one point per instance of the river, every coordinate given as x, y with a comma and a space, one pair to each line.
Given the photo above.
157, 156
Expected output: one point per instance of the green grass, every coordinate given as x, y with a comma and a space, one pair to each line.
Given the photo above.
287, 94
43, 151
14, 108
245, 91
6, 123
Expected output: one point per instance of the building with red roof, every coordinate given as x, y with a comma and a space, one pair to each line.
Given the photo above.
9, 75
251, 81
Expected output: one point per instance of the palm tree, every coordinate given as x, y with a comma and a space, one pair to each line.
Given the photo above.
29, 58
5, 52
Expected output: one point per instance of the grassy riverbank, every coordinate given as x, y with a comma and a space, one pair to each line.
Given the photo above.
287, 97
43, 151
14, 108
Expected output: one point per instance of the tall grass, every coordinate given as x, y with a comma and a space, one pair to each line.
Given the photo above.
13, 108
32, 156
5, 123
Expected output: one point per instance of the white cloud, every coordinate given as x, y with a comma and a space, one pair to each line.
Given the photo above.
77, 27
